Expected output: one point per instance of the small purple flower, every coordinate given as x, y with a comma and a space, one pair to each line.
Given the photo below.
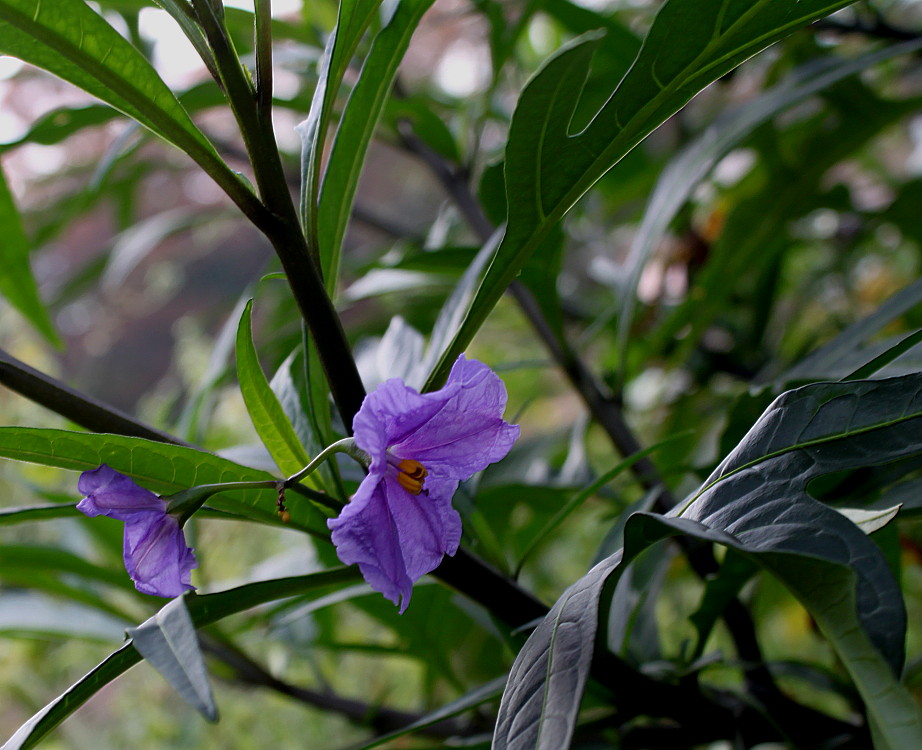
156, 555
400, 521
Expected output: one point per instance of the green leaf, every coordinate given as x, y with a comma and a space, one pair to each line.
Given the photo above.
691, 44
68, 39
204, 610
169, 642
160, 467
37, 513
756, 503
354, 17
683, 173
359, 118
17, 284
265, 411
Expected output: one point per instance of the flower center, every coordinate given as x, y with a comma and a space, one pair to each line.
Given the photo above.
411, 475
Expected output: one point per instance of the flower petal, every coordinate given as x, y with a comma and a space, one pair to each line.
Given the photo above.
390, 413
366, 533
429, 527
109, 493
156, 555
395, 536
468, 433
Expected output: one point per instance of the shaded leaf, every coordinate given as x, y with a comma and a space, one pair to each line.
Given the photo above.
756, 503
168, 641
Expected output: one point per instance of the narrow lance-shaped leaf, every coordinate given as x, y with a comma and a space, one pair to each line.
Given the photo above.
158, 466
265, 411
17, 284
354, 17
359, 119
756, 503
691, 44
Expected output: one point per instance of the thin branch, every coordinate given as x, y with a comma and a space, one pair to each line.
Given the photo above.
381, 719
281, 225
79, 408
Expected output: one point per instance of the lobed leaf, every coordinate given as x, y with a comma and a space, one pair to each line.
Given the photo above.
757, 503
548, 168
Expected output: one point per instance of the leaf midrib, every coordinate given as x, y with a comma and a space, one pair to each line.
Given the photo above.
798, 447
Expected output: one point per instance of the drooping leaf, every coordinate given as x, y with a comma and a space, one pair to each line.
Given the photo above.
169, 642
756, 502
204, 609
265, 411
548, 168
359, 118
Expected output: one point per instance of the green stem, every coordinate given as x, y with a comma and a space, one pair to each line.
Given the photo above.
346, 445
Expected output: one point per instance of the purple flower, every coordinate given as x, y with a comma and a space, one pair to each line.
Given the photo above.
400, 522
156, 555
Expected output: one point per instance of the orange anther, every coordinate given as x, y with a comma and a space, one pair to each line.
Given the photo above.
411, 475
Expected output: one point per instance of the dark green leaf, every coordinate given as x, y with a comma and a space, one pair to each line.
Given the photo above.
548, 168
756, 503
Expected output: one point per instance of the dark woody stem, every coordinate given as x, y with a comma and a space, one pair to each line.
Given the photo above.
280, 222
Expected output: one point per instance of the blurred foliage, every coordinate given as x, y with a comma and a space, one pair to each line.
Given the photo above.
696, 259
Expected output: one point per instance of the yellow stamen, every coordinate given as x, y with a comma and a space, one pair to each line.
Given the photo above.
411, 474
